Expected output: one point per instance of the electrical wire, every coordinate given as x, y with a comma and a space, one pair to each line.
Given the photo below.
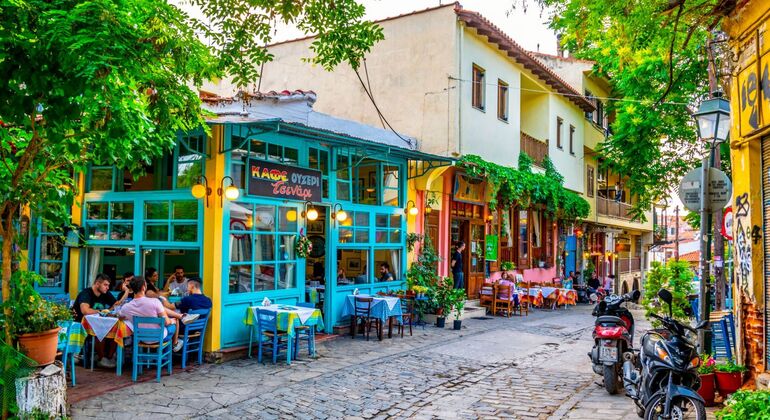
576, 95
377, 108
366, 72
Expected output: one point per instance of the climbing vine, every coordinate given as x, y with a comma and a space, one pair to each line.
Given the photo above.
521, 187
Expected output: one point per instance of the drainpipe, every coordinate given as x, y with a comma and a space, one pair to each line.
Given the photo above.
459, 95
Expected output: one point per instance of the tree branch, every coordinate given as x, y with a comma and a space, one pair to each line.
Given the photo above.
671, 54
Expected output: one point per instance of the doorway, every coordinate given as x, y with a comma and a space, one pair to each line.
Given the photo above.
165, 259
317, 269
472, 233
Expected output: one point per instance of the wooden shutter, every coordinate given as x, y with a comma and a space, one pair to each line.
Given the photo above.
765, 238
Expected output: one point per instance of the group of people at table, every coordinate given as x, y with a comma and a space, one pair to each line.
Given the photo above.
140, 297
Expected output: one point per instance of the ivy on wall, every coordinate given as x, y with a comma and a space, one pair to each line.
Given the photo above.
521, 187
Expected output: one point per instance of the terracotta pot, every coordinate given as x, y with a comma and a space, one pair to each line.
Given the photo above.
40, 347
707, 388
727, 383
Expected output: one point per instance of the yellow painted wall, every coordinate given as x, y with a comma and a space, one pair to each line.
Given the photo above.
76, 253
212, 242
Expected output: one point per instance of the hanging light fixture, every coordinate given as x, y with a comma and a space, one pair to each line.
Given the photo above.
309, 212
291, 215
713, 118
339, 215
411, 210
231, 192
201, 189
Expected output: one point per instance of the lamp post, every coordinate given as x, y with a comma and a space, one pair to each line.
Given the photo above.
713, 121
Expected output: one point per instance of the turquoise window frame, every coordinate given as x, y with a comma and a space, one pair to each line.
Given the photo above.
38, 260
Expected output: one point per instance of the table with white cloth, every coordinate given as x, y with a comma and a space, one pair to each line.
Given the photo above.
384, 308
100, 327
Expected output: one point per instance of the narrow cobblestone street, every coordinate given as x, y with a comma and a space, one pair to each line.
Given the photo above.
530, 367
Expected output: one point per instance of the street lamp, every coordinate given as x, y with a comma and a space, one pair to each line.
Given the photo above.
713, 118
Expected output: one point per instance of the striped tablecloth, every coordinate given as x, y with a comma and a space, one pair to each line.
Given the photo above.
288, 317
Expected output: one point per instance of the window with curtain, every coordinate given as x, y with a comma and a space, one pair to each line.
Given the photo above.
51, 258
523, 237
391, 258
261, 255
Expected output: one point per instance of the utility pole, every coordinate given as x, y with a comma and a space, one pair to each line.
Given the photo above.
703, 302
719, 244
676, 234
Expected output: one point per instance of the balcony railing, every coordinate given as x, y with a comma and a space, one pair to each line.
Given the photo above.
612, 208
629, 265
534, 148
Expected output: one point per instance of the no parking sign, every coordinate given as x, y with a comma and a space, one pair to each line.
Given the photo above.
727, 223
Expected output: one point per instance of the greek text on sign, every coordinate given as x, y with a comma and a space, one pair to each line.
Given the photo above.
719, 189
270, 179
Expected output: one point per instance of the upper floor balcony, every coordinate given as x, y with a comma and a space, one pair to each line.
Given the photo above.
534, 148
613, 208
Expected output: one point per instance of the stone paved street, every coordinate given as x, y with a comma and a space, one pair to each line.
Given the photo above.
531, 367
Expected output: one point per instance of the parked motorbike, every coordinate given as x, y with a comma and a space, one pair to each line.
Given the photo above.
582, 293
613, 336
662, 377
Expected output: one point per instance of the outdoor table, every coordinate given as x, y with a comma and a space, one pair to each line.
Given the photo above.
101, 327
567, 297
288, 318
535, 296
383, 307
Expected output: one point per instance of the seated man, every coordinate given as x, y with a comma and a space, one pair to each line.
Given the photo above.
91, 301
593, 284
195, 298
385, 274
144, 306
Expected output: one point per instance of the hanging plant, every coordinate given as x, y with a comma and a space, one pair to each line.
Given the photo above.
303, 246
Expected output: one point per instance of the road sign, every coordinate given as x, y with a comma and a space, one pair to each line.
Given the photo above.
719, 189
727, 223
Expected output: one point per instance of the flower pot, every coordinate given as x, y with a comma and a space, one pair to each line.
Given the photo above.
440, 321
727, 383
457, 324
40, 347
707, 388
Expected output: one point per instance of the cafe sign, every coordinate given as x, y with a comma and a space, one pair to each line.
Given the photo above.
269, 179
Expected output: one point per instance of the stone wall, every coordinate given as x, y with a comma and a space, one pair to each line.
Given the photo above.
753, 333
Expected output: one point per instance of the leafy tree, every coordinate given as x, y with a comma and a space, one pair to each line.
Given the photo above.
676, 277
653, 53
111, 82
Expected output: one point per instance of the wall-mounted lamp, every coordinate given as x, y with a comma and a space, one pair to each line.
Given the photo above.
428, 209
230, 192
411, 210
309, 212
339, 215
201, 189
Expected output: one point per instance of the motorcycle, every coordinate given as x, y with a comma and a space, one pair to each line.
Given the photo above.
613, 336
662, 377
582, 293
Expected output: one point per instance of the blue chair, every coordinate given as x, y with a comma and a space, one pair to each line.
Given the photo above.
149, 346
268, 335
194, 334
305, 332
66, 351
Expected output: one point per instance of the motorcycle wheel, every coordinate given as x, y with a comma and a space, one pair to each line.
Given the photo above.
610, 379
681, 408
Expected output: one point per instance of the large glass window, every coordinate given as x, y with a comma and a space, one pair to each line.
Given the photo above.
319, 159
355, 229
388, 261
367, 242
262, 253
390, 184
190, 159
388, 228
110, 221
254, 148
352, 267
50, 261
172, 221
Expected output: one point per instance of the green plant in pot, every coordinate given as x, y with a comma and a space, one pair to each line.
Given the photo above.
457, 300
34, 321
707, 388
443, 295
507, 266
746, 405
729, 377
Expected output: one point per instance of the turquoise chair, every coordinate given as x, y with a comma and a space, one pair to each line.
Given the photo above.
149, 346
268, 335
66, 350
305, 332
194, 334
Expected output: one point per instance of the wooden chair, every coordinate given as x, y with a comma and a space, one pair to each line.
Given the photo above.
487, 296
407, 315
363, 313
523, 306
503, 299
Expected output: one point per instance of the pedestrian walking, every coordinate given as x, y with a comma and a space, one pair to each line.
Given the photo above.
457, 266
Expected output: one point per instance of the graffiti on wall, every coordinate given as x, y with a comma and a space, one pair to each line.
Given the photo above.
744, 236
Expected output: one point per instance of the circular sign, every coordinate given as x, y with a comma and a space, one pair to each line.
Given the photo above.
719, 189
727, 224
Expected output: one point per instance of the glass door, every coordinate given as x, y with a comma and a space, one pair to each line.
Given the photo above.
165, 260
476, 267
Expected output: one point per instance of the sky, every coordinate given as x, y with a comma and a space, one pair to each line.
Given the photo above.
529, 28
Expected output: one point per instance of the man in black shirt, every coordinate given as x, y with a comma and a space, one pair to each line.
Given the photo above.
385, 274
594, 284
457, 266
90, 301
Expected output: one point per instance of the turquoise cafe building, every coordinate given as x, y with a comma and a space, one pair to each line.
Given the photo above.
230, 206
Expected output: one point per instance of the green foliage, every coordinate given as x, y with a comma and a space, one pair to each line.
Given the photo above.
707, 364
525, 162
676, 277
693, 219
411, 240
456, 301
424, 272
652, 52
13, 365
729, 367
29, 312
589, 270
507, 266
551, 172
443, 295
522, 188
746, 405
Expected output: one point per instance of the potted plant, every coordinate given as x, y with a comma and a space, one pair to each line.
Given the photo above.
443, 301
457, 299
746, 405
34, 321
507, 266
729, 377
707, 381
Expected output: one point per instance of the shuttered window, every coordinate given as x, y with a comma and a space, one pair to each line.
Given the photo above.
765, 237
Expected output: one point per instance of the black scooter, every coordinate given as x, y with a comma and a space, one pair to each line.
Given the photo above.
662, 378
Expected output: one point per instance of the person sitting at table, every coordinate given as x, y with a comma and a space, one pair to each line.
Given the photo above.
593, 284
125, 294
176, 284
341, 275
151, 276
144, 306
195, 298
127, 276
385, 272
91, 301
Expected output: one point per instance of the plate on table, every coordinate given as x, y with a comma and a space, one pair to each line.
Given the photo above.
287, 308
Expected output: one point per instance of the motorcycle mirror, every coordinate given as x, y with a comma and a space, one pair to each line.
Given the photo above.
635, 295
602, 306
666, 296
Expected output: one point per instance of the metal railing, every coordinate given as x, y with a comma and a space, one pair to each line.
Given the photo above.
534, 148
629, 265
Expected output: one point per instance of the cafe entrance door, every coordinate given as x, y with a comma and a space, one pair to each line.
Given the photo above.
472, 233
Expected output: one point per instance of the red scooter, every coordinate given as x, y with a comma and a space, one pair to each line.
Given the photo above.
613, 335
